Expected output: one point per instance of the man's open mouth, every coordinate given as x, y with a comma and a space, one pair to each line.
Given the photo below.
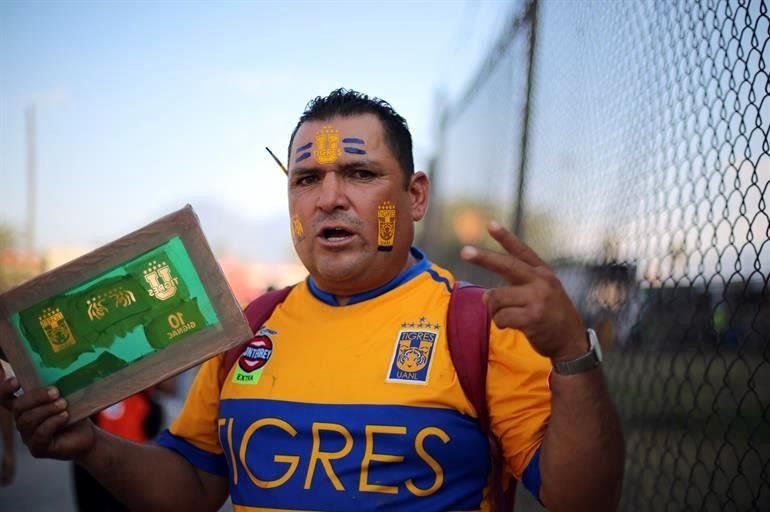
335, 234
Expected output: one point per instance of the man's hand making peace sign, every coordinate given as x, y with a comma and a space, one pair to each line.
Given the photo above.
582, 453
534, 302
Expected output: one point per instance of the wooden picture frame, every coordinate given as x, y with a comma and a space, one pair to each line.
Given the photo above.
81, 326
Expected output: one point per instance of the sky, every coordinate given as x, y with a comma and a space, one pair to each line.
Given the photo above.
142, 107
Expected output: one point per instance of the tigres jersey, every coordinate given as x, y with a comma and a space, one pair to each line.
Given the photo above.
358, 407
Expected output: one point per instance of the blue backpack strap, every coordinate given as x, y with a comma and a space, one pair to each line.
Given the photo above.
257, 313
468, 338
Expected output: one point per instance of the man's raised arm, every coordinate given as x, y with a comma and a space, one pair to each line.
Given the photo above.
582, 455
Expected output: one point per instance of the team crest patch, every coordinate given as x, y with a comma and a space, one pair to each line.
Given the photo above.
327, 145
413, 353
56, 329
255, 356
386, 226
163, 285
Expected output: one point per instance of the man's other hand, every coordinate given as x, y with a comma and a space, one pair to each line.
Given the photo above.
41, 419
534, 300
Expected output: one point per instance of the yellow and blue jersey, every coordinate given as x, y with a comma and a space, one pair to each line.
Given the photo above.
359, 407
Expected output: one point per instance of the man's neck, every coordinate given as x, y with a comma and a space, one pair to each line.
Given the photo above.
343, 300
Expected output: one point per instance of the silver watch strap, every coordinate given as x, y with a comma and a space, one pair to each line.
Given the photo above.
580, 364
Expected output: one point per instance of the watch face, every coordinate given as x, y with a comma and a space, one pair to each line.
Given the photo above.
593, 342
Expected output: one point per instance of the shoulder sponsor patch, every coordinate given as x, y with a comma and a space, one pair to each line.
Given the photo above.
255, 356
413, 354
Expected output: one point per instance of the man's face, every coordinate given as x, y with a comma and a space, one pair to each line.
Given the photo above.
352, 218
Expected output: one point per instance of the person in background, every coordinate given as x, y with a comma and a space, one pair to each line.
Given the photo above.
8, 461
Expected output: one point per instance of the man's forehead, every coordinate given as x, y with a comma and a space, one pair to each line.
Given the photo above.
337, 139
367, 125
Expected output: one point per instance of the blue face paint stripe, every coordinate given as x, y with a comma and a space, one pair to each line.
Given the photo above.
355, 151
303, 156
303, 148
352, 140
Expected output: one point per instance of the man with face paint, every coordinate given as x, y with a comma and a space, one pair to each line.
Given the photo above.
347, 397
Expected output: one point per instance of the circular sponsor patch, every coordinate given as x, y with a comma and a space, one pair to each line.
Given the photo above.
256, 354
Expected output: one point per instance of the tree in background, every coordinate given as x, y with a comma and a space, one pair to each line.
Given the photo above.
7, 458
16, 266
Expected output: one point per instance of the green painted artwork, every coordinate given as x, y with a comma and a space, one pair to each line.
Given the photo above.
120, 316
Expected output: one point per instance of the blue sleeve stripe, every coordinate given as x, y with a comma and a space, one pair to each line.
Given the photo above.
531, 477
208, 462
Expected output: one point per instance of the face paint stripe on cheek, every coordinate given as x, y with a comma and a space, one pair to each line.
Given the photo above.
386, 226
297, 231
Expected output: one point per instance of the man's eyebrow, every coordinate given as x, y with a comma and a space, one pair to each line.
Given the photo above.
346, 167
306, 170
364, 162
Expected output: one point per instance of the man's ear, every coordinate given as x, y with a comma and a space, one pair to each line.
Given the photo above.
419, 192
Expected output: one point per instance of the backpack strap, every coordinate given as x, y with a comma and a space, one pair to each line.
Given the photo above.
257, 313
468, 338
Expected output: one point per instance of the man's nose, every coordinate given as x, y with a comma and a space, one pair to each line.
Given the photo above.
332, 193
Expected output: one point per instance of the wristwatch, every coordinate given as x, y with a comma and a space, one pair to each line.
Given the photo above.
587, 361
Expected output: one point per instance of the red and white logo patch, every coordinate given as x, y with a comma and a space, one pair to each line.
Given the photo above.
257, 353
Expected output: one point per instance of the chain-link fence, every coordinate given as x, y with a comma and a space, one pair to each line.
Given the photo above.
637, 156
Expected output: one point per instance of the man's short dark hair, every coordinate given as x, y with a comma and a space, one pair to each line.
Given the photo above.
347, 103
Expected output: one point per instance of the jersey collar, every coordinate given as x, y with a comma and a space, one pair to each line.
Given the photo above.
419, 267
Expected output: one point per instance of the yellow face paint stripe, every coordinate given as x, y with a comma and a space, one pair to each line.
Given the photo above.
386, 226
297, 231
